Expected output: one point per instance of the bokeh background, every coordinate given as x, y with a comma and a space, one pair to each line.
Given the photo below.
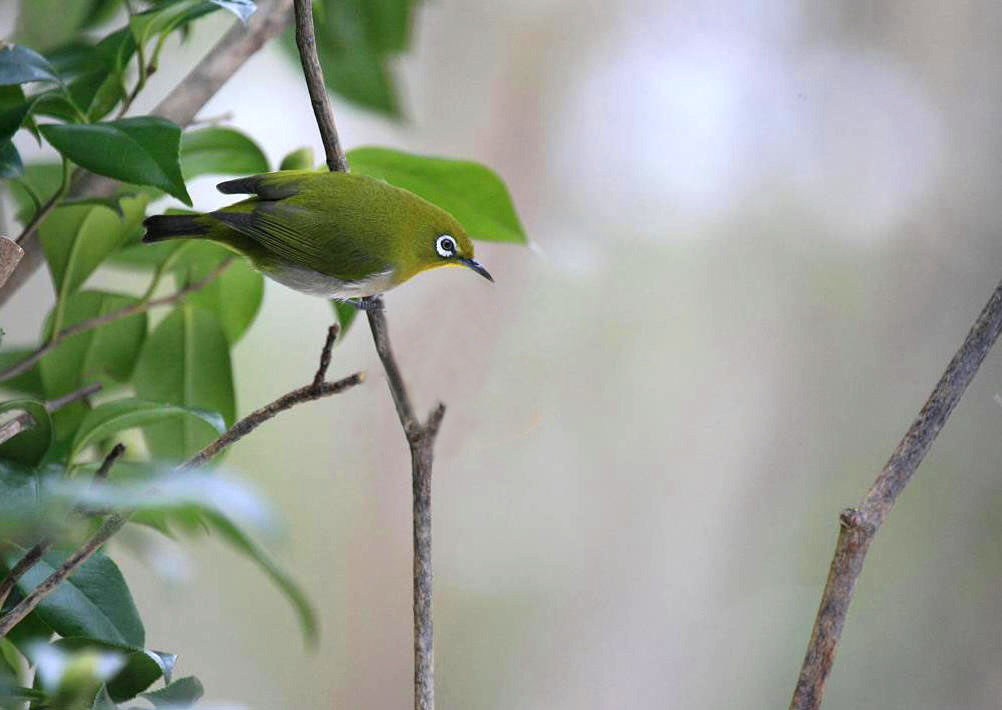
760, 229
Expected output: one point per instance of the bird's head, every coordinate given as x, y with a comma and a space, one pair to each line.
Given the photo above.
447, 244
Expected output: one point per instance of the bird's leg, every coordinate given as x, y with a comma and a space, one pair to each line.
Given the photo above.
367, 303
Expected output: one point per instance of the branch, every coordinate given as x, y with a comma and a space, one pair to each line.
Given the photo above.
32, 556
420, 438
116, 521
96, 322
10, 257
858, 526
24, 421
180, 106
307, 42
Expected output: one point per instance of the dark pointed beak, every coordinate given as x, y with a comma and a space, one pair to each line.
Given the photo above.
478, 267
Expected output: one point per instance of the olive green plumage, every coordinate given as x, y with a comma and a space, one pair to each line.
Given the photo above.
333, 234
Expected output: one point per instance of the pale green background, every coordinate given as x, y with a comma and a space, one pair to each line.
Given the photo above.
760, 230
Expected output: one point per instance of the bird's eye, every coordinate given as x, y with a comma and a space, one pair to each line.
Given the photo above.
445, 246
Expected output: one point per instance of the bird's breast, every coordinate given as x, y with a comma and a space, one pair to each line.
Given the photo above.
315, 283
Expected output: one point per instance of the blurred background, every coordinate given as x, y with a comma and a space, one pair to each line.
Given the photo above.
760, 230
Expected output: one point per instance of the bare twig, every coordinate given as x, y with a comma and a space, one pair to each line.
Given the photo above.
24, 421
115, 521
420, 438
180, 106
32, 556
859, 525
96, 322
256, 418
325, 355
307, 42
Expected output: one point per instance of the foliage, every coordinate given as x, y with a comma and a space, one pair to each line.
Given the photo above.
168, 376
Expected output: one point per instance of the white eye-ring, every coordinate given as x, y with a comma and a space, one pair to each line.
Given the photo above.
445, 246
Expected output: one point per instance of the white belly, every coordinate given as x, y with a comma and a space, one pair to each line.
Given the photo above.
318, 284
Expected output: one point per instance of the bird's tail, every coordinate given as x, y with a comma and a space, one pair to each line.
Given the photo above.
174, 226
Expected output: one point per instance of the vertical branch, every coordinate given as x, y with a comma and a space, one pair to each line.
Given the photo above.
420, 437
858, 526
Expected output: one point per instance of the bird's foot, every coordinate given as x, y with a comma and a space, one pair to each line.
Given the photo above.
367, 303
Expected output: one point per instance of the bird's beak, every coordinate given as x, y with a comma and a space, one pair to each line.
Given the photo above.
476, 266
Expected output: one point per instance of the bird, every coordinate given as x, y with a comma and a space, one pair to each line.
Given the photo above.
339, 235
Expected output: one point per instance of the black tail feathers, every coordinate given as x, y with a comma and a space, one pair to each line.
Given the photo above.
172, 226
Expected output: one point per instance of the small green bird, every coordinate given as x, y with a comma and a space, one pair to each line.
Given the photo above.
331, 234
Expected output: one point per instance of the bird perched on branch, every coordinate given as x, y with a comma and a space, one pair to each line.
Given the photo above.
332, 234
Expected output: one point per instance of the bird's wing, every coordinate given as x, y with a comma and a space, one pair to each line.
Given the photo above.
269, 186
305, 237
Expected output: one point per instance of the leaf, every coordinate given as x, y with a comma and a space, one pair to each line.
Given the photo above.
234, 296
19, 65
105, 353
236, 537
27, 383
300, 159
99, 12
220, 151
29, 447
77, 239
186, 361
346, 314
471, 192
142, 150
93, 602
182, 693
14, 114
112, 417
139, 668
10, 162
362, 77
243, 9
44, 179
174, 15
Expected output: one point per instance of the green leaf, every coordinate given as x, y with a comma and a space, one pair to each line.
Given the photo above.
76, 239
186, 361
44, 179
234, 296
111, 417
346, 314
100, 12
236, 537
107, 353
93, 602
142, 150
300, 159
19, 65
182, 693
362, 77
10, 161
243, 9
27, 383
471, 192
140, 668
14, 114
175, 15
29, 447
220, 151
102, 701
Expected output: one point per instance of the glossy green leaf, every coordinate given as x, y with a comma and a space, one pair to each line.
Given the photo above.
11, 165
242, 542
43, 178
186, 361
14, 114
77, 239
94, 602
182, 693
299, 159
346, 314
168, 17
143, 150
107, 353
234, 296
28, 447
140, 668
19, 65
220, 151
27, 383
109, 418
471, 192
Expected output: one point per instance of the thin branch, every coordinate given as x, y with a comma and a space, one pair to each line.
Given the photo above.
307, 42
10, 257
180, 106
325, 355
96, 322
256, 418
858, 526
24, 421
32, 556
